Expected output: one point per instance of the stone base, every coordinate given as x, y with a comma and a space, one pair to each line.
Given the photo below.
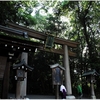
70, 97
93, 97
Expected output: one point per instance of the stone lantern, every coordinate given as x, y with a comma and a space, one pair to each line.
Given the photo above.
21, 68
57, 77
90, 75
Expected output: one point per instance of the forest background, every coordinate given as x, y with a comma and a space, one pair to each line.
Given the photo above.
74, 20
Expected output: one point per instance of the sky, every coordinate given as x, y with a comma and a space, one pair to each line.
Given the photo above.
50, 11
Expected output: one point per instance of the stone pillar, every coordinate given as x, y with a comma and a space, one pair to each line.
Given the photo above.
92, 88
92, 92
67, 73
22, 85
18, 90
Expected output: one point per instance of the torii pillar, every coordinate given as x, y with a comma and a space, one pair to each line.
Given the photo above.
22, 85
67, 73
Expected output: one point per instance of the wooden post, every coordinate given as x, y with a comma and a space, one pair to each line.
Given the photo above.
57, 91
6, 81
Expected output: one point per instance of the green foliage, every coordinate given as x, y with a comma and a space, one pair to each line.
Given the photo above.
83, 27
17, 12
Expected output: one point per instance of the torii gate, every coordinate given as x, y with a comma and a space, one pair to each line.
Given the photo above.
39, 35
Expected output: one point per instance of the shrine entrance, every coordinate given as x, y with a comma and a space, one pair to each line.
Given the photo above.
40, 79
12, 47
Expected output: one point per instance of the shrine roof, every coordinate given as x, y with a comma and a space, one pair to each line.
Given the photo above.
21, 64
57, 65
90, 72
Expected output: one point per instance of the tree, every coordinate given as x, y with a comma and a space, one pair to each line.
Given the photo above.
85, 29
17, 12
84, 23
83, 26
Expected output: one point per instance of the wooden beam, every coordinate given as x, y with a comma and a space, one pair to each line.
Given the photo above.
41, 36
58, 51
16, 42
19, 42
30, 44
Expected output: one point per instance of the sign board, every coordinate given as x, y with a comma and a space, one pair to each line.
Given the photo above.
49, 41
3, 61
57, 74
